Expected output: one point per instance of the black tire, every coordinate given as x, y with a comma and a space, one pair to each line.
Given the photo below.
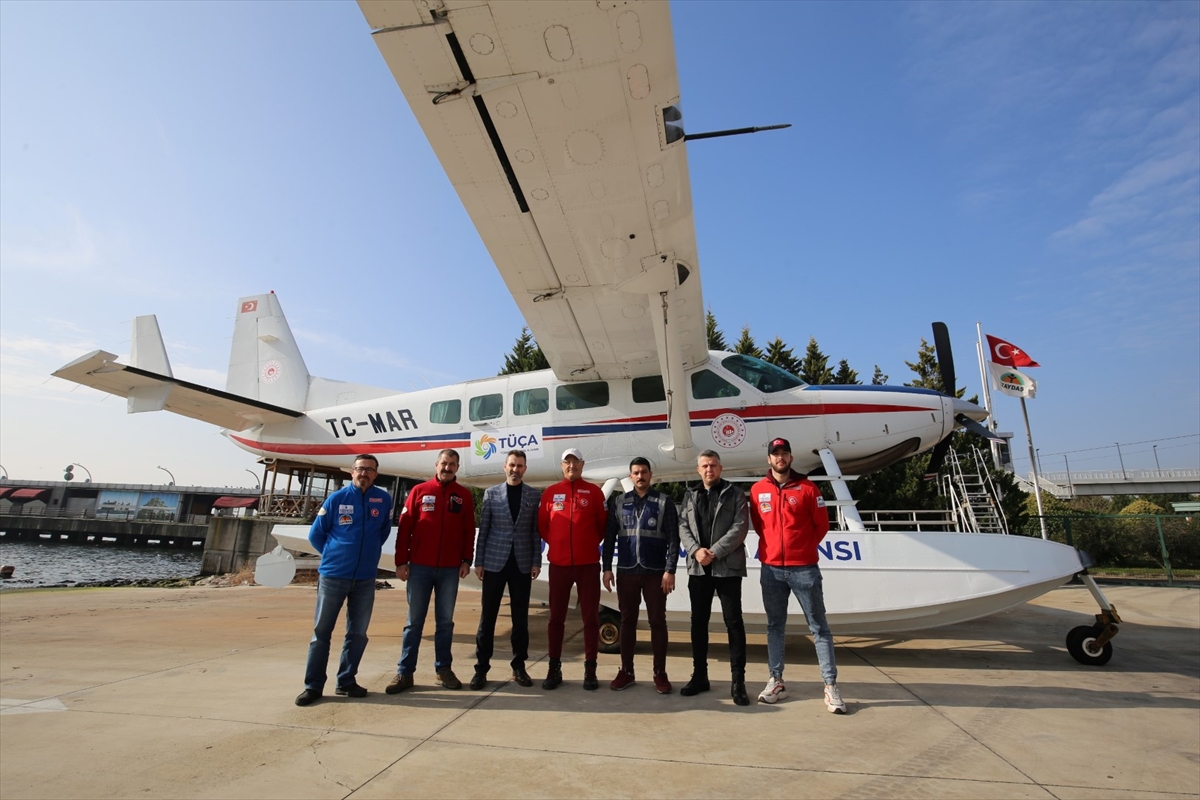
1081, 645
610, 631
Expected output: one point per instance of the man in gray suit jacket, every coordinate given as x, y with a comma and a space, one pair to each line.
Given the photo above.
508, 553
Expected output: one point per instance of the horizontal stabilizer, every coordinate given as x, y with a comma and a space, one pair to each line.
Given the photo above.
149, 391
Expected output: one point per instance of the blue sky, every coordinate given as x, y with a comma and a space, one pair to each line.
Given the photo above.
1032, 166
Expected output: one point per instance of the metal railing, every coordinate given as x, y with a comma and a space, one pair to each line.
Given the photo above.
131, 515
1153, 547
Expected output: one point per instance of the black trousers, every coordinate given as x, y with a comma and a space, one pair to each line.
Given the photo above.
701, 589
494, 583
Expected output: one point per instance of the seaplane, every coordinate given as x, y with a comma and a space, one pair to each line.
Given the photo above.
559, 124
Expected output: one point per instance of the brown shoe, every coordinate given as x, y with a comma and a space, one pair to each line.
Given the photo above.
448, 679
399, 683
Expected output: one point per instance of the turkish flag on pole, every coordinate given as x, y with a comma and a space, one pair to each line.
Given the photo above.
1009, 354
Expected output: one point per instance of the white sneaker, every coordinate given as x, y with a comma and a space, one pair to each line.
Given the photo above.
833, 699
774, 692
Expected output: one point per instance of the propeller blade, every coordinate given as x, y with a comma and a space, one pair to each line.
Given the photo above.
975, 428
945, 357
935, 460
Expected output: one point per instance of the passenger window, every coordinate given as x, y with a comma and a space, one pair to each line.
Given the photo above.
485, 407
649, 389
708, 385
531, 401
576, 396
446, 412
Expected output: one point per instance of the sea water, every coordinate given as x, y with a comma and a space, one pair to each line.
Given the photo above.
51, 564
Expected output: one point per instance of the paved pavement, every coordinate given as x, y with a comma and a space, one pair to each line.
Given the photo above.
188, 693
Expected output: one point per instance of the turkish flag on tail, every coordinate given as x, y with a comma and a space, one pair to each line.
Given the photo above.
1008, 354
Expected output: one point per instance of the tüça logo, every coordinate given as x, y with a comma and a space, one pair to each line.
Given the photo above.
485, 447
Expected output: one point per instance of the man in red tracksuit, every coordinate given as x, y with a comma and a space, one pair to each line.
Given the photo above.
435, 545
791, 520
572, 520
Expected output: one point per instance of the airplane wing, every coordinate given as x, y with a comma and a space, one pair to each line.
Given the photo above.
148, 391
558, 123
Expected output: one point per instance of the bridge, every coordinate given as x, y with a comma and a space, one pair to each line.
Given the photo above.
1066, 485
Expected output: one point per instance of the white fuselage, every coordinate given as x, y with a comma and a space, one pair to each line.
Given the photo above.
611, 422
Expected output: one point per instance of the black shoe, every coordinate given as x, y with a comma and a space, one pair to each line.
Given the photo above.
480, 679
738, 692
590, 681
698, 684
308, 696
553, 675
521, 677
351, 690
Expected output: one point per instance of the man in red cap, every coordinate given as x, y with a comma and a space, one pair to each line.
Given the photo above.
572, 519
791, 520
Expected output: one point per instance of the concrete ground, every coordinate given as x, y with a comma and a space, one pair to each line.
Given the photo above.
188, 693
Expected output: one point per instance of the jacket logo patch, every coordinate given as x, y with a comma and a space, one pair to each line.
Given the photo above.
428, 502
557, 506
764, 497
374, 499
583, 502
345, 519
558, 498
345, 509
455, 504
792, 501
374, 512
764, 508
321, 513
820, 502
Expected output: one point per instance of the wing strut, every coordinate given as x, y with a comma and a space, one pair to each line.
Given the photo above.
678, 415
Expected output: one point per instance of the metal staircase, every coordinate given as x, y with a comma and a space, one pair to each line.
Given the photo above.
973, 496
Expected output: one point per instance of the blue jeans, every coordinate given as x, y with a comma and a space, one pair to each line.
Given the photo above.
442, 582
359, 597
805, 583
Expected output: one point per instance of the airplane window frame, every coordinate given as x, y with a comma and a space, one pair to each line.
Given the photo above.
524, 398
570, 396
475, 402
722, 391
740, 364
634, 387
455, 404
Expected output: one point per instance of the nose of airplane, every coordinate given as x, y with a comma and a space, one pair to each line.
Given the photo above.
972, 411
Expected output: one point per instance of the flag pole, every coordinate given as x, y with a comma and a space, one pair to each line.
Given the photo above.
987, 395
1037, 481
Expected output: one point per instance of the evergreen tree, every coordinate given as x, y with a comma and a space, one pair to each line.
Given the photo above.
845, 375
929, 375
716, 339
746, 345
526, 356
879, 379
814, 367
779, 354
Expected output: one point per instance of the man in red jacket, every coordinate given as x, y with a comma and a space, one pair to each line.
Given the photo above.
435, 544
791, 520
572, 520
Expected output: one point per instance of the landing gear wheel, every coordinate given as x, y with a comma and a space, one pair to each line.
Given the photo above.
1081, 644
610, 631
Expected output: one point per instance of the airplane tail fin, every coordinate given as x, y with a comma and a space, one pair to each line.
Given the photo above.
264, 362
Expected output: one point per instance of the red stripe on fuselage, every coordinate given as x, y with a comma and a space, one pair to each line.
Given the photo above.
348, 449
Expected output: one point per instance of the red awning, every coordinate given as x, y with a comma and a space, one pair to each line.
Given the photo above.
28, 494
235, 502
4, 490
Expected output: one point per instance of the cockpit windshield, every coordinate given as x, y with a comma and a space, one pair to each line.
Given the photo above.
765, 377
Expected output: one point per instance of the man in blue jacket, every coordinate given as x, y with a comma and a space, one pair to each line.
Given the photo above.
349, 533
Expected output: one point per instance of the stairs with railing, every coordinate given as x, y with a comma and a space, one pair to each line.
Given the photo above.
972, 495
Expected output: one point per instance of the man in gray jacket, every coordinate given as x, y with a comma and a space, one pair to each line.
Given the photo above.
713, 524
508, 552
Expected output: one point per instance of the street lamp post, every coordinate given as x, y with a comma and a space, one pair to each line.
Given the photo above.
1157, 466
1124, 477
3, 473
253, 474
164, 469
67, 476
